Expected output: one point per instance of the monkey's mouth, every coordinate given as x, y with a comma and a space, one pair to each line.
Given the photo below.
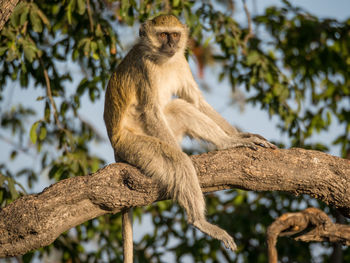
169, 52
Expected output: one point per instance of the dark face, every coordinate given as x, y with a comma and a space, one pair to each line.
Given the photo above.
169, 42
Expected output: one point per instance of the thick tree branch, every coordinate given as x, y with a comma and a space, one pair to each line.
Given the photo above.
308, 225
6, 9
37, 220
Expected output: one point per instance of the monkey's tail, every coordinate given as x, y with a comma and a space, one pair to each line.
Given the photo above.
127, 236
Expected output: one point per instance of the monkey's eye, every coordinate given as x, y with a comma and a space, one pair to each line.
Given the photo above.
163, 35
175, 35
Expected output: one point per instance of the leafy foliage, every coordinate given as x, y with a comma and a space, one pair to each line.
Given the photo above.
296, 67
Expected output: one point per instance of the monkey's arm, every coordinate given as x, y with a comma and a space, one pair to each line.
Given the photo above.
155, 125
230, 130
154, 120
192, 94
208, 110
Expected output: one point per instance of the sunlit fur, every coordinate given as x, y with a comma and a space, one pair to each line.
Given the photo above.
145, 123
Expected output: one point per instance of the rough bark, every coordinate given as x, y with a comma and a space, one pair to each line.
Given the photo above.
308, 225
6, 9
36, 220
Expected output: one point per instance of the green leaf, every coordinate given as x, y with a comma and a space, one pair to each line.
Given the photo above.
269, 78
238, 200
207, 41
29, 52
81, 7
35, 21
15, 17
13, 155
64, 108
130, 16
2, 179
32, 134
176, 3
3, 50
23, 68
12, 188
98, 31
42, 133
47, 111
163, 205
95, 56
43, 18
93, 46
75, 54
53, 171
86, 48
23, 77
101, 48
56, 8
9, 34
15, 20
95, 165
221, 76
82, 42
252, 58
70, 9
24, 16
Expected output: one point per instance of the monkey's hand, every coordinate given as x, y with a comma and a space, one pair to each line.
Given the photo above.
249, 140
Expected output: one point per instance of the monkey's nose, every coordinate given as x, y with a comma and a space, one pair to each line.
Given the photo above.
171, 43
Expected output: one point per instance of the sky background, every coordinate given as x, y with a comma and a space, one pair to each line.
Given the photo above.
251, 120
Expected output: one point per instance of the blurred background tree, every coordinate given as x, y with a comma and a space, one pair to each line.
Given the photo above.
56, 58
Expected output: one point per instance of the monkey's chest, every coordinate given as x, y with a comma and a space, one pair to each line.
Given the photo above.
167, 85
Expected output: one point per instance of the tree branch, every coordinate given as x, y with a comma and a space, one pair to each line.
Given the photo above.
249, 34
309, 225
249, 19
6, 9
36, 220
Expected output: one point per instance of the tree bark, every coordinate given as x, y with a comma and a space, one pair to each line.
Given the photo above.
36, 220
309, 225
6, 9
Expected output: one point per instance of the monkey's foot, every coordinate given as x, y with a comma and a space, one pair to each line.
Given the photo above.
251, 141
216, 232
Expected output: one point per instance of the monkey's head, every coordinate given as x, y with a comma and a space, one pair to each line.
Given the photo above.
165, 35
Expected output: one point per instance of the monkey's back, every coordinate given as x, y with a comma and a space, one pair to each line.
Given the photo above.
121, 95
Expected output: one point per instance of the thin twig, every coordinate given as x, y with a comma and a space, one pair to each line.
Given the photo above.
52, 102
90, 16
250, 29
49, 95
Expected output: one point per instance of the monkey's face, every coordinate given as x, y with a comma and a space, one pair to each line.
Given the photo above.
168, 42
164, 36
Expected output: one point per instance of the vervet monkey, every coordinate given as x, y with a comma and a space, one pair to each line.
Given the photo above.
151, 102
